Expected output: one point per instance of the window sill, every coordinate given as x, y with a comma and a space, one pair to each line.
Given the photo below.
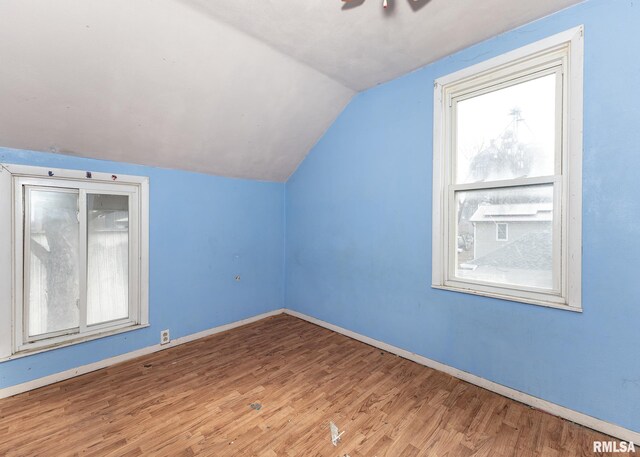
79, 339
511, 298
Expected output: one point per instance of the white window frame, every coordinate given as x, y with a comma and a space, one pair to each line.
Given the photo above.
559, 53
14, 340
506, 231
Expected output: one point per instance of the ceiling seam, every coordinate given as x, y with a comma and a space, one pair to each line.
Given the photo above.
203, 11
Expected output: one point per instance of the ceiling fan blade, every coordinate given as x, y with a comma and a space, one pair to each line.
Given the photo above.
418, 4
348, 4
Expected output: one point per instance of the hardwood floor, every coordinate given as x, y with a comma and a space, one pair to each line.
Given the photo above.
195, 399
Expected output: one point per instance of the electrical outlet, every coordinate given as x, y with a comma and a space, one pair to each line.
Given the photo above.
164, 337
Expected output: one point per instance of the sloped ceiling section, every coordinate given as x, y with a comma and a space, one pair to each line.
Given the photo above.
365, 45
159, 83
240, 88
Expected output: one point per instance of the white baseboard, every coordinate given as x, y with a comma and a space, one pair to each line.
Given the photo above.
57, 377
544, 405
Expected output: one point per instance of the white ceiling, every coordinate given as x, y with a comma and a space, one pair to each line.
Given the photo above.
239, 88
366, 45
157, 83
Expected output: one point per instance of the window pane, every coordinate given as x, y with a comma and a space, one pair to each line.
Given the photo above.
53, 261
502, 232
526, 258
107, 258
507, 133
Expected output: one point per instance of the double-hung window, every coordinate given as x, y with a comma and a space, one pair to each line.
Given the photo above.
507, 175
79, 256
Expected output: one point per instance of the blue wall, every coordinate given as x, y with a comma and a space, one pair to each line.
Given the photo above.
204, 230
358, 250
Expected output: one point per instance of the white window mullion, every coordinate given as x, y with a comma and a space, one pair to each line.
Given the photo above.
450, 164
21, 311
561, 137
558, 238
451, 241
519, 182
134, 270
82, 270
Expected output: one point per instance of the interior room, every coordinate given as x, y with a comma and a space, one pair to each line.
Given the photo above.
338, 228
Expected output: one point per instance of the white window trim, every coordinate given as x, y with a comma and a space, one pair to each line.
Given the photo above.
506, 231
570, 296
11, 276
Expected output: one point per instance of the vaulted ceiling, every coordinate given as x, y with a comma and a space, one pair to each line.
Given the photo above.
240, 88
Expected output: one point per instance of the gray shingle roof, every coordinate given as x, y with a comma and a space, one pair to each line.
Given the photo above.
532, 251
526, 212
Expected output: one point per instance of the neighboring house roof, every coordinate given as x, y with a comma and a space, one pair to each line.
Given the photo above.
516, 212
532, 251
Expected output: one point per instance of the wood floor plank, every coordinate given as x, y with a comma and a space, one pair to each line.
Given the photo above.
195, 399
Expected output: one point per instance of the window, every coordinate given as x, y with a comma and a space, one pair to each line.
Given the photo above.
79, 256
502, 232
507, 175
